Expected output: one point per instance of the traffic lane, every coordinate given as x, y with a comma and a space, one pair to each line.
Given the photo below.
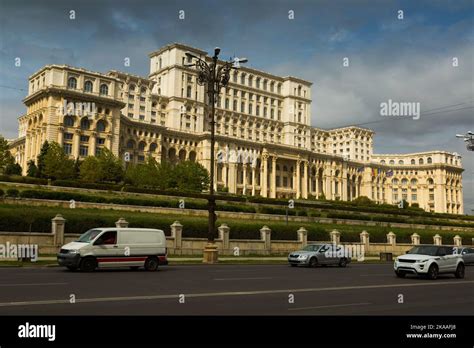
438, 298
54, 283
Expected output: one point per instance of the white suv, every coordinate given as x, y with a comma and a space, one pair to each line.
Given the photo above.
430, 260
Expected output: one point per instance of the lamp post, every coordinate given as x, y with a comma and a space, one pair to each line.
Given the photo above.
213, 76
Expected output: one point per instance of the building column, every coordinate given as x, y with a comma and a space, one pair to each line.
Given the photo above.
224, 175
317, 183
273, 181
244, 168
232, 177
76, 143
92, 144
298, 179
60, 136
264, 176
253, 181
305, 180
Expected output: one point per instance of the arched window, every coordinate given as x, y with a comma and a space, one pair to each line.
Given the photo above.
420, 161
85, 124
395, 182
69, 121
430, 181
153, 147
413, 161
404, 181
131, 88
88, 86
401, 162
392, 162
72, 82
242, 79
130, 144
143, 90
104, 89
413, 182
382, 161
429, 160
101, 126
141, 146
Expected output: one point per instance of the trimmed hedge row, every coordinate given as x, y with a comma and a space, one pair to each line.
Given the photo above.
38, 219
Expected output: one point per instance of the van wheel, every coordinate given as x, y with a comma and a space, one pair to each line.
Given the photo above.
433, 272
151, 263
343, 262
460, 271
89, 264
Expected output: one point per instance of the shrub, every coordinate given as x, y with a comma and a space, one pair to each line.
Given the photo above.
1, 193
12, 193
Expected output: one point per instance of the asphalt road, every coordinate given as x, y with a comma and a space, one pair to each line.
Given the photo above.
359, 289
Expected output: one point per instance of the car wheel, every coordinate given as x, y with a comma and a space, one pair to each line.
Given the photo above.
313, 262
400, 274
460, 271
134, 268
343, 262
89, 264
72, 268
433, 272
151, 263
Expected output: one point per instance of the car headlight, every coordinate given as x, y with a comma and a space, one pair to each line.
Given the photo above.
73, 251
422, 261
303, 257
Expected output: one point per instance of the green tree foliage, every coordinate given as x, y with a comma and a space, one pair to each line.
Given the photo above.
56, 163
6, 158
362, 200
40, 160
13, 169
90, 171
191, 176
110, 166
32, 169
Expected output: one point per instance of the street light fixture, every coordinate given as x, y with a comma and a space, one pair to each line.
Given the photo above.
213, 76
468, 139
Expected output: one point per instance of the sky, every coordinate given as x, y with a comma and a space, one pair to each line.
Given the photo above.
406, 57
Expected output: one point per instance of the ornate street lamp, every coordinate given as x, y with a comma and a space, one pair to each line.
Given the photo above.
213, 76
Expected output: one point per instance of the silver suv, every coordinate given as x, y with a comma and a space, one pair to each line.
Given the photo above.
313, 255
430, 260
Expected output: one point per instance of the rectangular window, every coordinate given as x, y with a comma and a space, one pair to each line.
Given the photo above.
83, 150
68, 136
67, 148
84, 138
100, 141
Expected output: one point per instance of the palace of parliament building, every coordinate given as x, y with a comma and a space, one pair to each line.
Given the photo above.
265, 144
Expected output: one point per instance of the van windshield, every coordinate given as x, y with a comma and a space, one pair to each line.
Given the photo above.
88, 236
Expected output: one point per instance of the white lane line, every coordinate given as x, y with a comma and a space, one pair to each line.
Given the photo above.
376, 275
331, 306
234, 293
32, 284
256, 278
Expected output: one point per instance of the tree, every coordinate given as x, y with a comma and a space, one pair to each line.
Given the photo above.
57, 165
146, 174
90, 171
13, 169
191, 176
6, 158
77, 168
362, 200
40, 160
32, 169
110, 166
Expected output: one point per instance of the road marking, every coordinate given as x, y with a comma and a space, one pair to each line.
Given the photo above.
33, 284
330, 306
376, 275
256, 278
234, 293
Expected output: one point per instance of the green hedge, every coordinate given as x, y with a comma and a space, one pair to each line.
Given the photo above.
23, 179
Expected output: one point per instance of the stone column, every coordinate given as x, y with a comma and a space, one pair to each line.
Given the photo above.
415, 239
437, 239
305, 180
457, 240
224, 175
244, 170
365, 238
57, 229
92, 143
253, 181
60, 135
273, 181
391, 238
265, 236
177, 234
76, 143
224, 232
232, 177
121, 223
264, 176
302, 234
335, 236
298, 179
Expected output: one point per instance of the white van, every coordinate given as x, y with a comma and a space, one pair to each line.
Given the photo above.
115, 247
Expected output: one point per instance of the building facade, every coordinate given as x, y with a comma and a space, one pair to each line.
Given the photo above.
265, 143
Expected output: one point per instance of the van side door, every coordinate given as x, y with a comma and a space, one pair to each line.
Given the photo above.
106, 249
